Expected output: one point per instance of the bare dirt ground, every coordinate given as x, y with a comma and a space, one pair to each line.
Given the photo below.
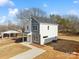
9, 51
67, 47
6, 53
5, 41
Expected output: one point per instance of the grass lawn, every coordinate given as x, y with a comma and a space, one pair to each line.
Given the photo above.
63, 49
6, 53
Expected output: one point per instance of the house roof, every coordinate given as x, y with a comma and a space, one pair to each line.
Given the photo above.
43, 20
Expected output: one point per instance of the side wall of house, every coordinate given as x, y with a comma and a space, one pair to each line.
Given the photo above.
48, 33
35, 33
29, 31
28, 27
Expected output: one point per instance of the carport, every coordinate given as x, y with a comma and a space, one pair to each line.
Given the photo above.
10, 33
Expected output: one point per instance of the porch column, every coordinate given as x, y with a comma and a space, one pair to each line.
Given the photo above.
29, 38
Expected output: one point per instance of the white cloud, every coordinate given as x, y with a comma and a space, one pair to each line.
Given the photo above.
6, 2
73, 12
12, 12
45, 5
11, 4
3, 2
2, 19
76, 1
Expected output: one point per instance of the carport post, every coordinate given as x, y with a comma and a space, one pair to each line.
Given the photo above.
23, 37
2, 35
9, 35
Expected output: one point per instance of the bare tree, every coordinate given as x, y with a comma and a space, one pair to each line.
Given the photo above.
37, 12
24, 15
68, 23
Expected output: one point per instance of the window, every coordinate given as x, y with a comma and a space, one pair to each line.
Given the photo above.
27, 28
45, 36
48, 27
35, 27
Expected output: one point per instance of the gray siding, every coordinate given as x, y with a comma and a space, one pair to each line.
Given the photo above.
35, 23
35, 34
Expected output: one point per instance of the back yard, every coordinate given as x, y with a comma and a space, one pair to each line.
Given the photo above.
67, 47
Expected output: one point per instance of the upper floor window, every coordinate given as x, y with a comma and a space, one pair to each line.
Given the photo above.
35, 27
27, 27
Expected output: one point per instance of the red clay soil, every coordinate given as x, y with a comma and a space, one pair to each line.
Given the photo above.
67, 47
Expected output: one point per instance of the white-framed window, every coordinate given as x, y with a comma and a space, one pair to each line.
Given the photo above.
27, 27
35, 27
48, 27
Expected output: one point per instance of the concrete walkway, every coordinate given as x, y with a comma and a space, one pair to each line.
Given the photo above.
30, 54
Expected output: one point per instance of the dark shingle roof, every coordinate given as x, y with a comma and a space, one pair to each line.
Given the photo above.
43, 20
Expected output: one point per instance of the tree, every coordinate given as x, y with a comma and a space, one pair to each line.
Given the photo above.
67, 23
23, 15
55, 18
37, 12
74, 23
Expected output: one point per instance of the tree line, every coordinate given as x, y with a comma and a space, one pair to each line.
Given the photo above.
67, 23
